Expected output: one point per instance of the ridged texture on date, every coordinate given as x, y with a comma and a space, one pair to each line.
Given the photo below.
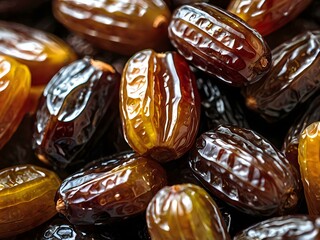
184, 211
309, 161
219, 43
26, 198
159, 105
291, 141
15, 82
110, 191
245, 170
42, 52
125, 26
291, 227
77, 106
293, 78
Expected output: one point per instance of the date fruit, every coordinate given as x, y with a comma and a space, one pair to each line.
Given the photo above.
77, 107
292, 80
124, 27
246, 171
309, 161
219, 43
184, 211
110, 190
159, 105
26, 198
15, 82
266, 16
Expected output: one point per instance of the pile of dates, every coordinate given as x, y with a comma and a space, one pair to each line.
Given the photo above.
159, 119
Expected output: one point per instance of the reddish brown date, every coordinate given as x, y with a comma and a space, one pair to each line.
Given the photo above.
77, 106
159, 105
219, 43
243, 169
110, 190
293, 79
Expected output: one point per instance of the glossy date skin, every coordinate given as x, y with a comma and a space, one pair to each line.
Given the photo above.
112, 190
43, 53
123, 27
294, 227
292, 80
246, 171
159, 105
184, 211
219, 43
77, 106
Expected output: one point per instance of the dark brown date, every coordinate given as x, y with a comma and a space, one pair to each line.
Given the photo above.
291, 227
219, 43
77, 106
111, 190
245, 170
293, 79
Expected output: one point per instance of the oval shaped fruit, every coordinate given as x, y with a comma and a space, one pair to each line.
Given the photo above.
124, 27
159, 105
292, 227
26, 198
42, 52
246, 171
292, 80
77, 107
15, 82
309, 161
110, 190
219, 43
266, 16
184, 211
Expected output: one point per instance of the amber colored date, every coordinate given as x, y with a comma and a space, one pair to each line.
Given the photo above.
15, 81
293, 227
42, 52
159, 105
309, 161
26, 198
246, 171
77, 107
266, 16
110, 190
123, 27
219, 43
292, 80
184, 211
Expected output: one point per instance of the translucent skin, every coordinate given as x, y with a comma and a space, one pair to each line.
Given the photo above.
124, 27
184, 211
26, 198
219, 43
159, 105
42, 52
309, 161
266, 16
15, 81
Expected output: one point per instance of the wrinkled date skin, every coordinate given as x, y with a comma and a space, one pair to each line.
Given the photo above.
110, 191
293, 78
184, 211
266, 16
15, 82
292, 227
219, 43
309, 161
159, 105
26, 198
80, 99
246, 171
123, 27
42, 52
